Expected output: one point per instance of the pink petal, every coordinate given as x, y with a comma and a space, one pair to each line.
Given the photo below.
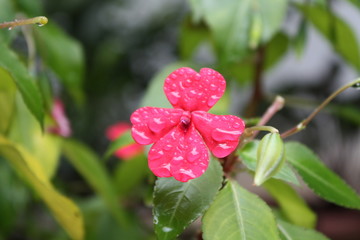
62, 127
116, 130
129, 151
150, 123
191, 91
220, 132
180, 154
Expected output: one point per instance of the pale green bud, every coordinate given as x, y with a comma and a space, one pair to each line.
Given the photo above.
270, 157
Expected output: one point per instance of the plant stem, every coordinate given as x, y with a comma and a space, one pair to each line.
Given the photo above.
36, 20
302, 125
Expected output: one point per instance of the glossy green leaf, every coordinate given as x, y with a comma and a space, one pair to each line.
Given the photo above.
231, 21
128, 174
292, 206
89, 166
248, 156
63, 209
293, 232
122, 141
7, 100
319, 178
335, 30
25, 83
64, 55
177, 204
237, 214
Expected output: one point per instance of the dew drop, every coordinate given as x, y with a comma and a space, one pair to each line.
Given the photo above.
156, 220
166, 229
168, 147
221, 135
212, 100
193, 155
236, 125
213, 86
222, 150
157, 125
356, 86
173, 97
40, 24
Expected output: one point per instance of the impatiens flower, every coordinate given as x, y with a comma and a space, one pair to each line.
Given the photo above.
127, 152
62, 125
183, 135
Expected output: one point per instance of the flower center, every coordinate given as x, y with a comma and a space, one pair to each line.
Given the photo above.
185, 121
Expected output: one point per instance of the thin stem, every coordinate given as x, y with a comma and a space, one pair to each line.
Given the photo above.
36, 20
302, 125
276, 106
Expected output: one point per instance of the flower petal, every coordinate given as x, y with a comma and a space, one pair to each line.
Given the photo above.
220, 132
191, 91
180, 154
150, 123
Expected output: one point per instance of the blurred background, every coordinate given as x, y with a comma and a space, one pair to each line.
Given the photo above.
117, 48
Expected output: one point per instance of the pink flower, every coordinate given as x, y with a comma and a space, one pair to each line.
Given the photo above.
62, 124
183, 135
127, 152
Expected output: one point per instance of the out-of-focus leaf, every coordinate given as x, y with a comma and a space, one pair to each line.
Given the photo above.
197, 9
26, 132
299, 39
231, 21
88, 165
7, 100
7, 13
177, 204
275, 49
248, 155
355, 3
293, 232
64, 55
129, 174
25, 83
334, 29
350, 113
292, 206
63, 209
237, 214
31, 8
14, 196
191, 37
319, 178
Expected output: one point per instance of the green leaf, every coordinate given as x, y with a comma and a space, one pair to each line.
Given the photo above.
292, 206
248, 156
191, 37
7, 13
319, 178
355, 3
177, 204
238, 214
7, 100
129, 174
231, 21
63, 209
64, 55
299, 39
88, 165
292, 232
26, 132
338, 32
122, 141
25, 83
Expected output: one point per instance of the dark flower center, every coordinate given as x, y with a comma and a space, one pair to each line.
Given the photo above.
185, 121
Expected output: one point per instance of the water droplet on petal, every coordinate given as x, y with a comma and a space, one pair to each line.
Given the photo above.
154, 155
168, 147
193, 155
173, 97
140, 137
222, 150
221, 135
212, 100
236, 125
157, 125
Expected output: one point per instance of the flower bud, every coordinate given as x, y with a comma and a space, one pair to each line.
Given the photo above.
270, 157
